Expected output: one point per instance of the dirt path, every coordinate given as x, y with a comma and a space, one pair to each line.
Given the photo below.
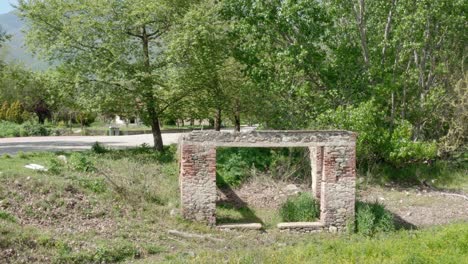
419, 207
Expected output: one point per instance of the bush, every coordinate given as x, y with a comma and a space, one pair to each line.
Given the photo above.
81, 162
373, 218
55, 166
376, 142
9, 129
98, 148
302, 207
34, 129
234, 164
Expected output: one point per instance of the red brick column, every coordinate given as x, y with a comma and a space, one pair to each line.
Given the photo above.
198, 183
338, 186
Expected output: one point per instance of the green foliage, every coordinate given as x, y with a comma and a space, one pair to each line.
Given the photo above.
81, 162
375, 142
13, 113
442, 244
55, 166
95, 185
403, 149
300, 208
98, 148
7, 216
102, 254
373, 218
9, 129
235, 165
34, 129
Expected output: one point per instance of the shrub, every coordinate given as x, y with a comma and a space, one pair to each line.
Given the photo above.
81, 162
98, 148
234, 164
55, 166
373, 218
302, 207
34, 129
9, 129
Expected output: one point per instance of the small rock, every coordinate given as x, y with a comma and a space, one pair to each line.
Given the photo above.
409, 214
28, 178
291, 189
407, 193
173, 213
401, 201
37, 167
381, 199
333, 229
62, 158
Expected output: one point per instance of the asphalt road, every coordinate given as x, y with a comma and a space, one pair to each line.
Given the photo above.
36, 144
52, 143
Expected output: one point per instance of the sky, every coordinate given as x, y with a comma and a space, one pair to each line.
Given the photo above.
5, 6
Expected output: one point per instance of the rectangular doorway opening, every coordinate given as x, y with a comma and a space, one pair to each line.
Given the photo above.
267, 186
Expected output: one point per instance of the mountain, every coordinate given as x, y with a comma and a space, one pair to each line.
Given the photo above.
14, 49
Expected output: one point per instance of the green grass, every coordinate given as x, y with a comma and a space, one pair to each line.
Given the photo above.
447, 244
121, 210
451, 175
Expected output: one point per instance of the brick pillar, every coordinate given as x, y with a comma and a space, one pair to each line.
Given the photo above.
198, 183
338, 186
316, 157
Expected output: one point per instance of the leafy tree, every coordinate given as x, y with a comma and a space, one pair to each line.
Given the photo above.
202, 49
109, 49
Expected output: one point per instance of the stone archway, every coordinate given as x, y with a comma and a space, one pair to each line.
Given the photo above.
333, 160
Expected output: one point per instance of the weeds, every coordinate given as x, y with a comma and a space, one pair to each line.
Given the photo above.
7, 216
300, 208
81, 162
373, 218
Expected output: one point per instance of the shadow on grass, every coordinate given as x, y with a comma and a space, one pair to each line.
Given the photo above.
233, 209
402, 224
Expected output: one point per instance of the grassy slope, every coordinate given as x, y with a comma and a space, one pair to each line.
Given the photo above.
123, 212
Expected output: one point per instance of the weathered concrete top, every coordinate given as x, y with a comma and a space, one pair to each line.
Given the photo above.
274, 138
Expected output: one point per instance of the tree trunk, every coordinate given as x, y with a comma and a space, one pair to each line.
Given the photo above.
237, 121
151, 102
156, 130
217, 124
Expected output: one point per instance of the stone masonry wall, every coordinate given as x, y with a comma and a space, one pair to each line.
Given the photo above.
338, 186
333, 159
198, 183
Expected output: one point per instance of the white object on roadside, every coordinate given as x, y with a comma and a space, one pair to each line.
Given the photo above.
33, 166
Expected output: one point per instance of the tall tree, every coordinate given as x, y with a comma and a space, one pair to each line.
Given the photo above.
118, 44
202, 49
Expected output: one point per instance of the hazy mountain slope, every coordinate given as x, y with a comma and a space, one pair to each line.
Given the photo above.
15, 50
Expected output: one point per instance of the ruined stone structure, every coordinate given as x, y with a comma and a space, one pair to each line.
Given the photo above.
333, 163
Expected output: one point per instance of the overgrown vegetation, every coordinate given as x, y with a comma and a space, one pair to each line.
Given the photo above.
120, 211
372, 218
435, 245
10, 129
236, 165
300, 208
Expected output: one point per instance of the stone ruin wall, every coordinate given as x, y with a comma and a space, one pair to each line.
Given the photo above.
333, 163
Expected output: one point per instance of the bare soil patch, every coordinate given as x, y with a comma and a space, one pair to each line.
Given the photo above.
415, 206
